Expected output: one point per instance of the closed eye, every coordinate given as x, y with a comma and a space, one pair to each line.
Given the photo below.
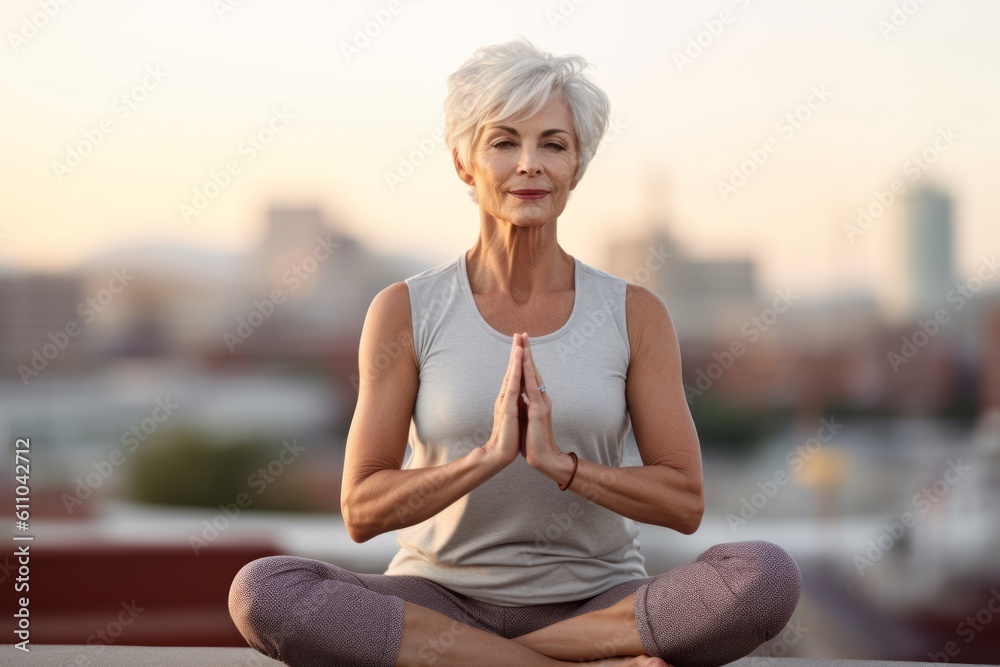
507, 143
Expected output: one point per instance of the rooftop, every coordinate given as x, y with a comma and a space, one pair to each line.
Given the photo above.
51, 655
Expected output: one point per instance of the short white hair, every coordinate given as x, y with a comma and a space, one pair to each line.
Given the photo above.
513, 81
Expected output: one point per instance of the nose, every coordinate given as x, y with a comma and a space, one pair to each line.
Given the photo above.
528, 162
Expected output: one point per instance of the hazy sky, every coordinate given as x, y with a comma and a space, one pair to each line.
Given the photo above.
175, 90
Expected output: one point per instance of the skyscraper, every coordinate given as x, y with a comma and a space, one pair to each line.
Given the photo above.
924, 261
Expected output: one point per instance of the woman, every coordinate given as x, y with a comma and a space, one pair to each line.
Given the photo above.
498, 564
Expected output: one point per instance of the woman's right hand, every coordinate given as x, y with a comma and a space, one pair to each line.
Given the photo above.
505, 442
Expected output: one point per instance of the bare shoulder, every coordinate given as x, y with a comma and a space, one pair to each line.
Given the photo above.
391, 300
648, 319
388, 325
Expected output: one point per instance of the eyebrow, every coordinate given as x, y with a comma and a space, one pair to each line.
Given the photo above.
546, 133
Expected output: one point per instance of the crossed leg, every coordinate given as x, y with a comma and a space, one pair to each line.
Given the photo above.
730, 600
707, 613
430, 637
307, 613
601, 633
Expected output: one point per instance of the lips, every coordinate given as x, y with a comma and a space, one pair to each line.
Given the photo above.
529, 194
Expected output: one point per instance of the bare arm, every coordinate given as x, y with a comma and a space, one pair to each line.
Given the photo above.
376, 495
668, 489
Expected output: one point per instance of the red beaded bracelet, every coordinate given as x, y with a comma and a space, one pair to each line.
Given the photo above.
576, 462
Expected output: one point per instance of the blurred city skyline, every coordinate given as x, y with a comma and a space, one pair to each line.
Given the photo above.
309, 109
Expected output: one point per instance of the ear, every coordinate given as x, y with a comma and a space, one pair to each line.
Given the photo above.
462, 173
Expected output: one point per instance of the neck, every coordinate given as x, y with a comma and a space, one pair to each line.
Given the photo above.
518, 262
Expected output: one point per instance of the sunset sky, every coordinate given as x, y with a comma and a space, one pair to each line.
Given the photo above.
176, 90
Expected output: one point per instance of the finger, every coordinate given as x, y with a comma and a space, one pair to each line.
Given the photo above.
524, 352
511, 364
514, 383
532, 377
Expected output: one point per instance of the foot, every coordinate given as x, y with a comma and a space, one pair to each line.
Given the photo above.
632, 661
610, 631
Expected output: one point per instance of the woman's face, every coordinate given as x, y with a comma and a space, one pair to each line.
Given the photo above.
523, 171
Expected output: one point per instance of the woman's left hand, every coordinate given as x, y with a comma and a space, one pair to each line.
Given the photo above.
539, 445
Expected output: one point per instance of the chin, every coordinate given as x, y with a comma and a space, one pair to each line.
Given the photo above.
532, 222
534, 218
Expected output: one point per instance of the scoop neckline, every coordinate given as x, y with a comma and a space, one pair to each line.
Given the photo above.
577, 299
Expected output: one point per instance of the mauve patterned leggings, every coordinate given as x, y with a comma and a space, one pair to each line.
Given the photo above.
307, 613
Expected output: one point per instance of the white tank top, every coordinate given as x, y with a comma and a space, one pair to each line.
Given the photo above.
517, 539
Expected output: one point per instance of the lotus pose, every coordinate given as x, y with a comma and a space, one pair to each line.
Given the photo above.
514, 372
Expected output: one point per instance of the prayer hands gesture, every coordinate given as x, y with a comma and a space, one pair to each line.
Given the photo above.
521, 426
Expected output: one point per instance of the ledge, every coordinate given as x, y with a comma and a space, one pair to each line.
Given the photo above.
66, 655
58, 655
